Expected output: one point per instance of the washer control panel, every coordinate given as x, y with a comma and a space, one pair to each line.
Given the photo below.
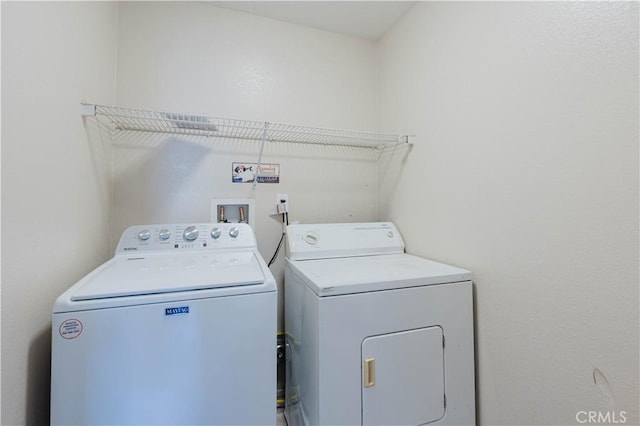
187, 236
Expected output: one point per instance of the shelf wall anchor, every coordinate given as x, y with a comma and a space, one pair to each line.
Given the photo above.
264, 140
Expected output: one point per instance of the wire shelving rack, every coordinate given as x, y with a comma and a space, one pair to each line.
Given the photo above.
133, 119
120, 118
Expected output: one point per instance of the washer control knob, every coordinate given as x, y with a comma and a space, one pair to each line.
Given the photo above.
190, 233
310, 239
234, 231
215, 233
144, 235
164, 234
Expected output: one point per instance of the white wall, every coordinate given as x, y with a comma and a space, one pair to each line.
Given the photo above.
196, 58
55, 180
525, 171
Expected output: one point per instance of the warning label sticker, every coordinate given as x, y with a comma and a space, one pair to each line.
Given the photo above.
70, 329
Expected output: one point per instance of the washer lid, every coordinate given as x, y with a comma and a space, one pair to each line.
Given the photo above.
152, 274
330, 277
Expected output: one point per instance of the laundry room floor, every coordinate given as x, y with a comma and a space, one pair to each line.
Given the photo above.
280, 421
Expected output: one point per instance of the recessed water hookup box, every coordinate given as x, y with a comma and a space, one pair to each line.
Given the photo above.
233, 210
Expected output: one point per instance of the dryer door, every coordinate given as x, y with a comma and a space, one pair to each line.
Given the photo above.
403, 378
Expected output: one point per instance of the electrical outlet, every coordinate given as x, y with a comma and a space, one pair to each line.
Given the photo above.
282, 203
280, 197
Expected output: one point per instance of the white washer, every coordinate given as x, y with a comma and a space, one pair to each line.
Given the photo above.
179, 327
375, 336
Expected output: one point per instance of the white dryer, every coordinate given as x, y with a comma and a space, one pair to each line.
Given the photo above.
375, 336
178, 328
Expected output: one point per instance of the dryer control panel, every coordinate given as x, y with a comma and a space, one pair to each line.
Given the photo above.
186, 236
334, 240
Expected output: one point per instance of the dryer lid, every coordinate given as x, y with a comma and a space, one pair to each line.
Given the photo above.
330, 277
133, 275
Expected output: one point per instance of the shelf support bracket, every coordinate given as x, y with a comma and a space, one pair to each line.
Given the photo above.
264, 140
88, 110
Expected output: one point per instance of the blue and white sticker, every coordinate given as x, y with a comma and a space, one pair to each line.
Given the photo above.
180, 310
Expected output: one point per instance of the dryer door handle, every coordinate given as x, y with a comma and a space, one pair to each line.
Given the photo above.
369, 372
